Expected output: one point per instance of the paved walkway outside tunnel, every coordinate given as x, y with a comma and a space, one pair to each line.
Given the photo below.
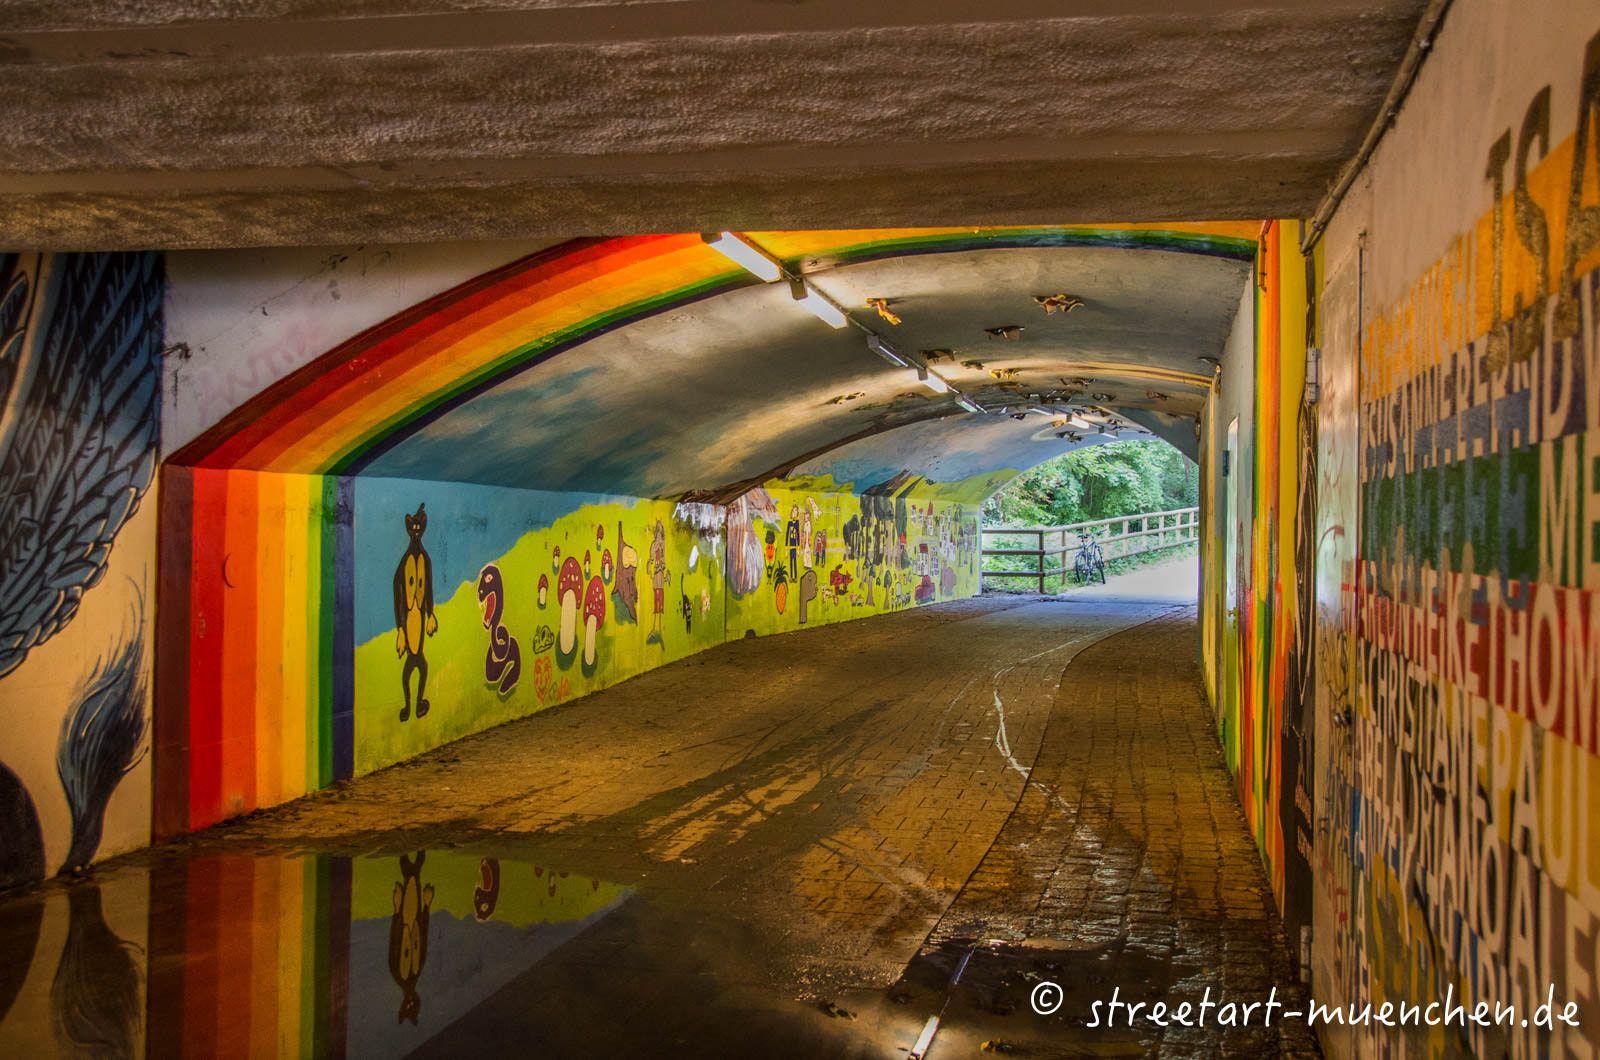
840, 815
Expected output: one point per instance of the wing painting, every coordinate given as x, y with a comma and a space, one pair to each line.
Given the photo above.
80, 391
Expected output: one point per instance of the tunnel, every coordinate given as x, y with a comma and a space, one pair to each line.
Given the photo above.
500, 563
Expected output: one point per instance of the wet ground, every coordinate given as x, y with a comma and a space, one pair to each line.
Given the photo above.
843, 842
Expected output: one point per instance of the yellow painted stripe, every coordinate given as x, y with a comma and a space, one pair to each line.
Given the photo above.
289, 925
272, 523
311, 584
295, 636
265, 950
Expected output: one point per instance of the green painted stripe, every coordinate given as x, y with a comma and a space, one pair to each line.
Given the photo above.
310, 931
313, 622
322, 961
1004, 238
327, 551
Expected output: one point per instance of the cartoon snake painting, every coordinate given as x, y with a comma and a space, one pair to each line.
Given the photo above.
502, 664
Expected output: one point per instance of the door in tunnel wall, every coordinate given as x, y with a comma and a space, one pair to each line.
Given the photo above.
1235, 545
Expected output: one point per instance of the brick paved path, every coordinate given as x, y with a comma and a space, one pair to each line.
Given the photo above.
841, 815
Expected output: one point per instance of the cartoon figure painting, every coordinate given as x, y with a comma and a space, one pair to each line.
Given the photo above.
408, 934
626, 590
502, 663
413, 612
803, 540
656, 567
791, 540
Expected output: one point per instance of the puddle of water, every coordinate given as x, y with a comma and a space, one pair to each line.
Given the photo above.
421, 953
311, 955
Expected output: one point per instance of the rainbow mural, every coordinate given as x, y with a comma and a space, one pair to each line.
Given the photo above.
257, 638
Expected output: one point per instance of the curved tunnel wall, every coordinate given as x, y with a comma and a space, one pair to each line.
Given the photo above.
285, 658
1399, 610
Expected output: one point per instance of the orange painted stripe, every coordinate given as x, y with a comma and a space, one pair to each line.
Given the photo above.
239, 602
269, 644
264, 959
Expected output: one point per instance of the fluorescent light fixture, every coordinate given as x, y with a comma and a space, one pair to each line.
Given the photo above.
968, 404
741, 251
887, 352
925, 1039
932, 382
817, 304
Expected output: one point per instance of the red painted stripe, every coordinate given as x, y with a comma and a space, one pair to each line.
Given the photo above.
236, 914
202, 939
174, 563
206, 647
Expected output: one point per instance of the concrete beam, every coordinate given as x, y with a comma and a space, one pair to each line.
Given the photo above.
158, 124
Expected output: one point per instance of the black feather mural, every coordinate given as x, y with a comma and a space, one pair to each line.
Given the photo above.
80, 387
101, 742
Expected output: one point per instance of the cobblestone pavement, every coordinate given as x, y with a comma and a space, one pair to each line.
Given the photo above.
814, 831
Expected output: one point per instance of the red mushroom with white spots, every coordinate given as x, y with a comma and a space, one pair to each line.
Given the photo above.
569, 590
544, 589
594, 616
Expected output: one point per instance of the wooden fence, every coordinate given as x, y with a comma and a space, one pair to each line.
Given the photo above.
1126, 535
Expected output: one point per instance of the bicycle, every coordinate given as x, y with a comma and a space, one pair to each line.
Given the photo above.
1090, 561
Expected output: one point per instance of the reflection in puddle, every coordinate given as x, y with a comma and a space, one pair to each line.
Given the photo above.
306, 956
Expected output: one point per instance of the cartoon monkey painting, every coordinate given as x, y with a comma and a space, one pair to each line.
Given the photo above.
408, 935
413, 612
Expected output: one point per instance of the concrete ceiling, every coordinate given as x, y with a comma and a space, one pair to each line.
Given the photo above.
735, 387
195, 123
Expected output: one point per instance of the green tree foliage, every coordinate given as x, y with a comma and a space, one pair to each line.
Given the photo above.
1097, 482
